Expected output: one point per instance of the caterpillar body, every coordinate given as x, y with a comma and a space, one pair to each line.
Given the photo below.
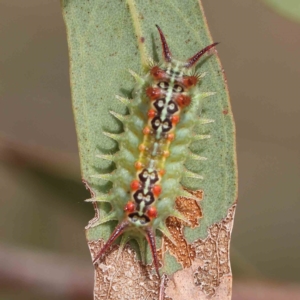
154, 148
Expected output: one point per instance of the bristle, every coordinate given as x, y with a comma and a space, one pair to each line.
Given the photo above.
123, 100
109, 157
180, 216
193, 72
205, 121
120, 117
202, 75
116, 137
193, 60
117, 232
197, 157
166, 232
106, 177
166, 51
200, 137
204, 95
186, 194
99, 198
138, 78
142, 246
124, 239
110, 217
192, 175
152, 243
150, 63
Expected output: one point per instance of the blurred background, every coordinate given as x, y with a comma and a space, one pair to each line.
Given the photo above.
43, 252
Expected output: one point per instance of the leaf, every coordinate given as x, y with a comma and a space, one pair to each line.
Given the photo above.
287, 8
106, 39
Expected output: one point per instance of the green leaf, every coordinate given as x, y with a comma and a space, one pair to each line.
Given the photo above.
287, 8
106, 40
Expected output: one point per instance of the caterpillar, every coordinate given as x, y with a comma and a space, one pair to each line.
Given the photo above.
153, 158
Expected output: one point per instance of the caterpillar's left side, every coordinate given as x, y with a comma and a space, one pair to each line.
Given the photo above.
154, 148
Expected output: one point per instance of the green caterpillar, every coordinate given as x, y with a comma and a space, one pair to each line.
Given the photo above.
154, 149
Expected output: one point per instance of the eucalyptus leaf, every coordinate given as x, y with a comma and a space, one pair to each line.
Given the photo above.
107, 39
